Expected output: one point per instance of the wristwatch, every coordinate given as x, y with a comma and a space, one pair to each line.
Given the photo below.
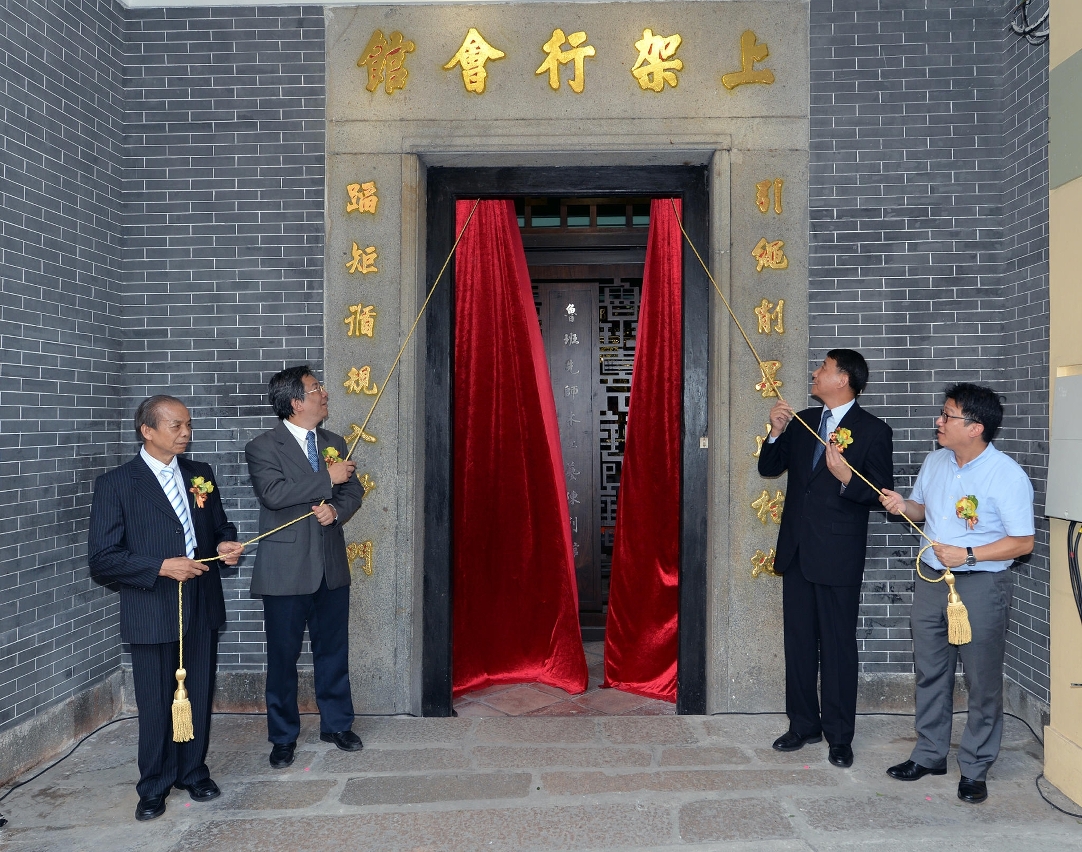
971, 560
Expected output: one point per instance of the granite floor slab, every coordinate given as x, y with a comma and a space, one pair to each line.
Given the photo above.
539, 784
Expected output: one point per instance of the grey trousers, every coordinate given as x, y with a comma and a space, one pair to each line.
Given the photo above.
987, 597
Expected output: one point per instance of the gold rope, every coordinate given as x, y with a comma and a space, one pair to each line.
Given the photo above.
390, 372
957, 618
183, 730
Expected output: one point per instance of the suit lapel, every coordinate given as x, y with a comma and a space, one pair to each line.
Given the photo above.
291, 450
851, 417
143, 479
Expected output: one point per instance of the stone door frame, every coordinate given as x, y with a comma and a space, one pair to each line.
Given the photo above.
692, 183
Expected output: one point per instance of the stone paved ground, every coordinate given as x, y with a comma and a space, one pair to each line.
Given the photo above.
541, 783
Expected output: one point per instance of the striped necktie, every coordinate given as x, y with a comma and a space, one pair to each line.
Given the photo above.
313, 457
823, 433
180, 506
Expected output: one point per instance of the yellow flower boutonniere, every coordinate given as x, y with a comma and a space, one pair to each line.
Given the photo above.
841, 438
200, 489
330, 455
966, 509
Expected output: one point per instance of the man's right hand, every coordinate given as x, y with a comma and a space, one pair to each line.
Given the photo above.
341, 471
181, 568
780, 415
892, 501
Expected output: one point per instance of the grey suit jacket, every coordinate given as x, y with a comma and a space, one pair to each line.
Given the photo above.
293, 561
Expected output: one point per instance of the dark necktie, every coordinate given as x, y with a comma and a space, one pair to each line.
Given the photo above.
313, 459
823, 432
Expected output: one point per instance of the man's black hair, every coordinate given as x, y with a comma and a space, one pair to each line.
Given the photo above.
286, 386
149, 411
979, 405
854, 366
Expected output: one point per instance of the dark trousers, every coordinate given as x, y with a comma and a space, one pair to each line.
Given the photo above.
154, 668
820, 645
987, 597
326, 613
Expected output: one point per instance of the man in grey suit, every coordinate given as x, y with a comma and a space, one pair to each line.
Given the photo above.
150, 520
302, 571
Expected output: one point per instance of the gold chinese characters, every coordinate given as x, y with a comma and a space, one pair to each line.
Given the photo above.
557, 56
769, 508
762, 194
361, 320
751, 52
385, 59
769, 384
362, 260
362, 551
360, 381
655, 66
767, 312
362, 197
760, 440
763, 563
770, 255
472, 56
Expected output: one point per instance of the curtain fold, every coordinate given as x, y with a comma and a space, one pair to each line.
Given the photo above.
641, 626
515, 599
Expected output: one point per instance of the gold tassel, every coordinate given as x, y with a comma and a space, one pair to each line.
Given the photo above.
183, 731
958, 629
182, 712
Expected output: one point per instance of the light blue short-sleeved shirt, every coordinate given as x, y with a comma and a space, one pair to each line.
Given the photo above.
1004, 502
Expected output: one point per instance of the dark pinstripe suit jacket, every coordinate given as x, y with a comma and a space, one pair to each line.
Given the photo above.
133, 529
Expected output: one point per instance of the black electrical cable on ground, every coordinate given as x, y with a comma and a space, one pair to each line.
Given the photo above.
1074, 533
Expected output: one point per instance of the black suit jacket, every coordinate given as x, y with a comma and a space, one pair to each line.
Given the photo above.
133, 529
829, 529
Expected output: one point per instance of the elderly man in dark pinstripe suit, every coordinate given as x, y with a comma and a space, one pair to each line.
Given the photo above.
151, 519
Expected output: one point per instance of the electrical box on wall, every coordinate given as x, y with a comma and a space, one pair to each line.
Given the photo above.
1064, 494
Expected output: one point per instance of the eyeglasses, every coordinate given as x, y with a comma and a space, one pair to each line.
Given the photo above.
317, 389
946, 416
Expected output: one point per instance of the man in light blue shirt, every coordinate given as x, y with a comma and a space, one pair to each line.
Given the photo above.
977, 505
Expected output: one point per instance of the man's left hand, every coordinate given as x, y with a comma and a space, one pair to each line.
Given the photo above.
836, 465
230, 551
325, 513
950, 555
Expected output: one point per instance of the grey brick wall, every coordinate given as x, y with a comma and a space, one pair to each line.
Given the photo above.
929, 254
223, 249
161, 230
61, 111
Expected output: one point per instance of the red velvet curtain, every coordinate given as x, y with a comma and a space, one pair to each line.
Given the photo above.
515, 609
640, 631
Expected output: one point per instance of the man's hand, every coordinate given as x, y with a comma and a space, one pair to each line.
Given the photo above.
836, 465
181, 568
230, 551
892, 501
341, 472
326, 513
950, 555
780, 415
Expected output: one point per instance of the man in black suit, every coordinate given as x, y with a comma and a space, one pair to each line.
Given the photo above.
821, 548
302, 571
150, 520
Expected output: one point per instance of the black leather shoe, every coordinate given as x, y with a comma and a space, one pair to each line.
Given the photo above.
910, 771
282, 754
150, 807
972, 791
841, 755
792, 741
345, 740
200, 791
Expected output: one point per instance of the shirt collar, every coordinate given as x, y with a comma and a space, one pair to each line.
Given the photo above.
296, 431
838, 413
988, 451
156, 467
